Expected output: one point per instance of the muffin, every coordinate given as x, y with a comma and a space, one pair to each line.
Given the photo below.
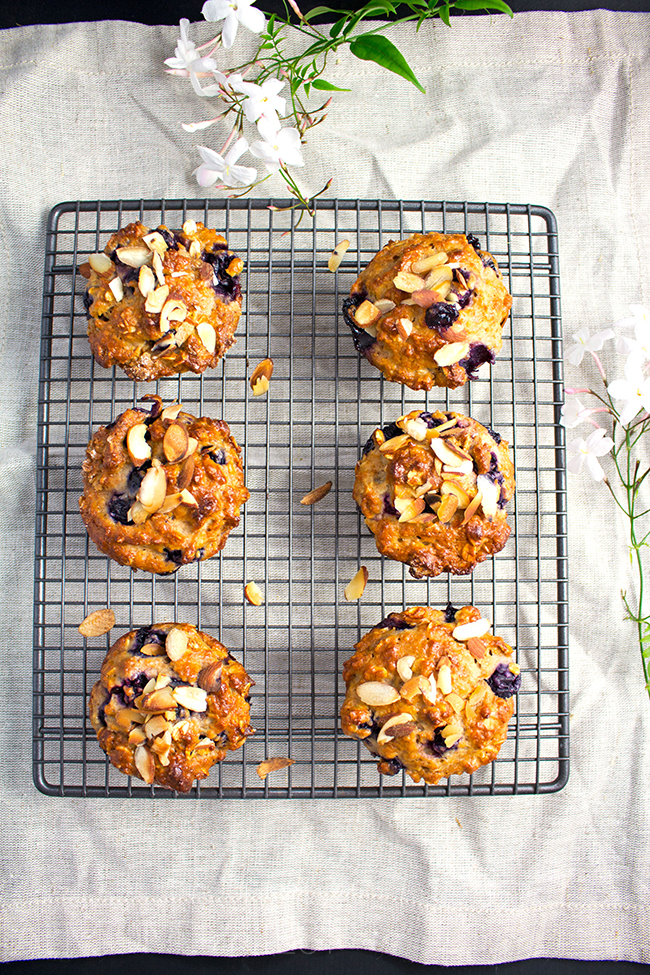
170, 703
429, 310
433, 489
161, 487
430, 692
162, 302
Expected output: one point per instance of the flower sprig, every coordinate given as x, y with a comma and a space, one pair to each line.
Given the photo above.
275, 88
626, 401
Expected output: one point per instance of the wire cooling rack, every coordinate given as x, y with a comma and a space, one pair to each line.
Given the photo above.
323, 403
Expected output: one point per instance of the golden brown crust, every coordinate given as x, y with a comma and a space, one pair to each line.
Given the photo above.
440, 330
126, 326
173, 745
198, 504
422, 509
445, 717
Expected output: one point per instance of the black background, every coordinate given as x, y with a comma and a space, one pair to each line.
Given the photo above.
15, 13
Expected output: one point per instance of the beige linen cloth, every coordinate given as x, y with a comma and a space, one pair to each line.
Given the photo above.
549, 109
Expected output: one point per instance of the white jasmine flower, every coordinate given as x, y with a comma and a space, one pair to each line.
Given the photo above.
588, 451
188, 62
573, 413
278, 146
262, 101
584, 342
634, 390
233, 13
215, 167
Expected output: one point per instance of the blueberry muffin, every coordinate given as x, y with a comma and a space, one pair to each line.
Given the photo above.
170, 703
429, 310
162, 302
161, 487
430, 692
433, 489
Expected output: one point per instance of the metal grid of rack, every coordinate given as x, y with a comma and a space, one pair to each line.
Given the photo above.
323, 403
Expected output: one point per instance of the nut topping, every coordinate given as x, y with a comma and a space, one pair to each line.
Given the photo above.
260, 376
412, 510
116, 288
97, 623
377, 694
176, 643
356, 585
171, 412
273, 764
153, 489
404, 327
448, 355
443, 679
472, 508
336, 256
146, 280
384, 305
476, 647
101, 263
253, 594
172, 311
404, 667
144, 763
466, 631
176, 442
157, 701
449, 453
317, 494
428, 263
152, 650
406, 281
189, 227
192, 698
155, 242
208, 336
447, 508
438, 277
392, 725
134, 256
156, 299
390, 446
490, 492
210, 678
136, 444
366, 314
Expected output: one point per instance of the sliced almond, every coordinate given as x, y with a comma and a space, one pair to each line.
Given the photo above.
175, 442
429, 691
404, 667
427, 298
376, 693
158, 269
336, 256
447, 508
190, 227
475, 697
412, 510
449, 487
186, 473
210, 678
404, 327
472, 508
188, 498
253, 594
438, 277
384, 305
146, 281
392, 724
176, 643
414, 426
490, 493
117, 288
157, 701
100, 262
273, 764
443, 679
425, 264
456, 702
192, 698
366, 313
448, 355
137, 735
260, 376
449, 453
434, 432
155, 242
390, 446
194, 249
171, 412
156, 299
476, 647
163, 680
152, 650
157, 725
208, 336
153, 489
356, 585
133, 256
97, 623
138, 514
183, 332
451, 734
136, 444
406, 281
144, 763
465, 631
317, 494
172, 311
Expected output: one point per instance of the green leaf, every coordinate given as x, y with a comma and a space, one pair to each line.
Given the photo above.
319, 11
336, 28
307, 87
323, 85
373, 47
443, 13
483, 5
